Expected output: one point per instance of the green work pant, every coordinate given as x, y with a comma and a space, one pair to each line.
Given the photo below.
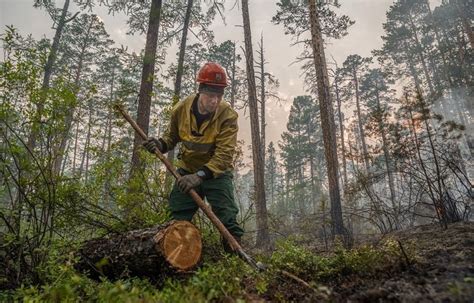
220, 195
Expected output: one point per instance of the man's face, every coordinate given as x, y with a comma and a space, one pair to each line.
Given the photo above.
209, 102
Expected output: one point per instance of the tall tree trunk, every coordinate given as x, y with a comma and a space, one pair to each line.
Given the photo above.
327, 120
258, 169
179, 72
146, 85
48, 71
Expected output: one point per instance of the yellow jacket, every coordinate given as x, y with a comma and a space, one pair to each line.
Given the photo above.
213, 145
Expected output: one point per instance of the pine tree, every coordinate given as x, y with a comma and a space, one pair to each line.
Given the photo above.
263, 237
301, 152
327, 120
180, 68
267, 83
146, 86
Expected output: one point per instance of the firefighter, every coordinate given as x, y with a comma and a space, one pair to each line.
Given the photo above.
207, 128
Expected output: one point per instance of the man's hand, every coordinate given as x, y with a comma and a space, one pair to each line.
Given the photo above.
187, 182
152, 144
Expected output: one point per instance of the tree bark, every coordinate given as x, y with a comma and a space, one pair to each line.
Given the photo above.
258, 169
327, 120
146, 85
149, 252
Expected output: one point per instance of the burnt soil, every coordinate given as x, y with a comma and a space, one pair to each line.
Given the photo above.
441, 269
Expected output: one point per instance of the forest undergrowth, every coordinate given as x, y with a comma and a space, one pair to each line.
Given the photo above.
423, 264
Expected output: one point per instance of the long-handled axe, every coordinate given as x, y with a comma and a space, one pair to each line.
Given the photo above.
202, 205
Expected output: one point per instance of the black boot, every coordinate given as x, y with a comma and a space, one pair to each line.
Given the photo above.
226, 244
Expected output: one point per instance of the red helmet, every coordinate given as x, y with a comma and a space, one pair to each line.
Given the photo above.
212, 74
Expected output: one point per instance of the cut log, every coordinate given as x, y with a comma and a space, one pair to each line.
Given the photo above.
150, 252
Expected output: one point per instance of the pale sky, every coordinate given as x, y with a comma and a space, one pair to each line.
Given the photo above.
363, 37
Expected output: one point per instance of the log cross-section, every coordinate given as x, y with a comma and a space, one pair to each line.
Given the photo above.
180, 244
147, 252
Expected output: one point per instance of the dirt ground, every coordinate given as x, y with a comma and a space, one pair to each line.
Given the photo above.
440, 269
443, 270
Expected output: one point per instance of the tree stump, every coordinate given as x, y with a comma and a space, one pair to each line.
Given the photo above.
150, 252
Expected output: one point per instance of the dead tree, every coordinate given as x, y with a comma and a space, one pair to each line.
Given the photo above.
258, 168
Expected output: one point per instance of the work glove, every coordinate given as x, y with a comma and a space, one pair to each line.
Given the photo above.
187, 182
151, 144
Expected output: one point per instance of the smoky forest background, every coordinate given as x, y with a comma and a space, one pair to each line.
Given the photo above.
377, 146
